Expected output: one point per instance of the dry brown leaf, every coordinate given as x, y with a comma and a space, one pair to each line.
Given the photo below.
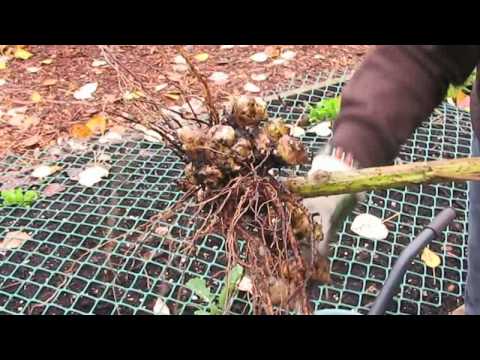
53, 189
32, 140
160, 87
172, 95
179, 59
251, 88
273, 51
43, 171
288, 55
259, 77
161, 230
13, 240
33, 69
259, 57
219, 77
49, 82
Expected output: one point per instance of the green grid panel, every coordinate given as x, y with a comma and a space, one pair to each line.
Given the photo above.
62, 270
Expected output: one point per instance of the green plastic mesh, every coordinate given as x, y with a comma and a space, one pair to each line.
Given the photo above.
64, 269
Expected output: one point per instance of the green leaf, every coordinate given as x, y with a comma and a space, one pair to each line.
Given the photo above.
327, 109
199, 287
8, 197
233, 278
30, 196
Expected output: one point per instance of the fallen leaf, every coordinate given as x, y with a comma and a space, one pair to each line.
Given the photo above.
43, 171
73, 173
323, 129
146, 153
369, 227
3, 62
279, 62
259, 77
24, 122
226, 47
245, 285
219, 77
47, 61
463, 101
98, 63
288, 55
3, 82
272, 51
49, 82
149, 134
13, 240
111, 137
180, 68
173, 76
132, 95
160, 308
161, 230
53, 189
430, 259
36, 97
32, 140
297, 131
33, 69
172, 95
160, 87
86, 91
92, 175
104, 158
196, 104
251, 88
179, 59
259, 57
77, 144
23, 54
97, 124
80, 131
201, 57
451, 287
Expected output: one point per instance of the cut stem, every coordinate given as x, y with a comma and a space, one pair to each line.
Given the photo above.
377, 178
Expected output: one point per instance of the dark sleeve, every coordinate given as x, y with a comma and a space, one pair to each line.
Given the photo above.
393, 91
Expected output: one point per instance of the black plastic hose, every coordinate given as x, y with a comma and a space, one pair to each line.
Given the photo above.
431, 232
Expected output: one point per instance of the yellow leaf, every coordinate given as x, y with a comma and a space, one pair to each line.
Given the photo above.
97, 124
3, 62
132, 95
36, 97
80, 131
430, 259
47, 61
172, 96
22, 54
201, 57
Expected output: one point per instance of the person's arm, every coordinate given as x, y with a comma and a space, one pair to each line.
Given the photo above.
393, 91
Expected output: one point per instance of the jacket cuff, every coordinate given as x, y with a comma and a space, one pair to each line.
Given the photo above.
362, 144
